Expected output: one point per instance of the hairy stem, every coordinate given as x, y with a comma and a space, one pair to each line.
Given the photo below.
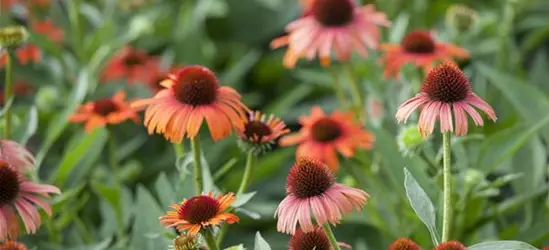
8, 92
447, 205
247, 173
331, 236
198, 180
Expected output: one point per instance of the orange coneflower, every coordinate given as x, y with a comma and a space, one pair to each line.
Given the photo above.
340, 25
450, 245
105, 111
12, 245
260, 132
131, 64
404, 244
321, 136
199, 212
189, 97
49, 29
159, 76
419, 48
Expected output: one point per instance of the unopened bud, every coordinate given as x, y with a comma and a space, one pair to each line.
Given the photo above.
184, 242
461, 17
13, 36
409, 139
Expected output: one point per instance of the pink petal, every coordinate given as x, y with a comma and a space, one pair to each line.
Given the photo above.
446, 118
406, 109
41, 203
473, 113
461, 120
476, 101
30, 187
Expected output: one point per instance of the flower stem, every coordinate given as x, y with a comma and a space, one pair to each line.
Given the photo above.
179, 149
356, 93
198, 180
210, 240
331, 236
8, 92
247, 173
447, 212
338, 91
113, 163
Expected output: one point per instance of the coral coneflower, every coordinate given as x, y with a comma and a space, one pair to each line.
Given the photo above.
199, 212
321, 136
404, 244
260, 132
16, 156
338, 25
446, 88
189, 97
131, 64
311, 186
49, 29
12, 245
19, 196
450, 245
159, 76
419, 48
105, 111
25, 55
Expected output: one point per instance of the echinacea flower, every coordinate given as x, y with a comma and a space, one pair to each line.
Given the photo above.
450, 245
105, 111
12, 245
48, 29
260, 132
25, 55
315, 239
199, 212
311, 186
131, 64
189, 97
338, 25
419, 48
16, 156
20, 196
322, 135
404, 244
159, 76
445, 89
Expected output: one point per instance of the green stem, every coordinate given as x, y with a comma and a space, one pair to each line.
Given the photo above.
447, 212
210, 240
331, 236
338, 91
247, 173
113, 163
198, 180
8, 92
74, 19
356, 93
179, 149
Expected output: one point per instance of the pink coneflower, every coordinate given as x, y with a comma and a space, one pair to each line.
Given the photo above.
340, 25
404, 244
450, 245
16, 156
19, 196
311, 186
446, 88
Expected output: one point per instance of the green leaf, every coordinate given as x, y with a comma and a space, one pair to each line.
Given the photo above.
74, 155
242, 199
164, 190
422, 205
237, 247
111, 194
260, 243
146, 223
23, 134
502, 245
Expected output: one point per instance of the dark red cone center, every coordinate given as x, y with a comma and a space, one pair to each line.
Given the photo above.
134, 59
333, 13
446, 83
199, 209
451, 245
325, 130
9, 184
420, 42
316, 239
196, 85
257, 130
104, 107
308, 178
404, 244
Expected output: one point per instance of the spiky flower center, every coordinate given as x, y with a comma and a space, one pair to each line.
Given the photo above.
105, 107
12, 245
333, 13
199, 209
325, 130
308, 178
446, 83
451, 245
196, 85
9, 184
257, 129
316, 239
404, 244
420, 42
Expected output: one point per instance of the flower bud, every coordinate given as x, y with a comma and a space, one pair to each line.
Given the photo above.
13, 36
461, 17
409, 139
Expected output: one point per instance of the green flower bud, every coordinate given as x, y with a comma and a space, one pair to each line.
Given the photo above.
409, 139
13, 36
461, 17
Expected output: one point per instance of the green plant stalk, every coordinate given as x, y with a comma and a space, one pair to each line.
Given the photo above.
250, 159
210, 240
355, 92
447, 172
113, 163
8, 92
198, 180
179, 149
338, 91
331, 236
74, 20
